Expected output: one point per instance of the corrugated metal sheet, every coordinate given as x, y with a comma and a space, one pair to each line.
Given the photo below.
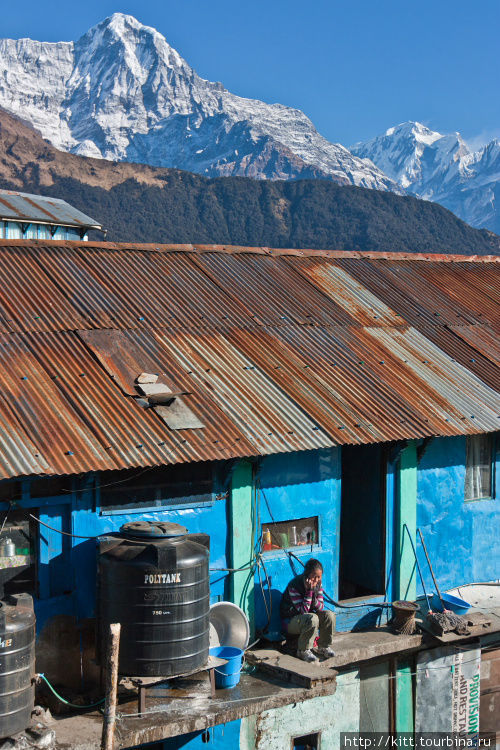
278, 351
42, 209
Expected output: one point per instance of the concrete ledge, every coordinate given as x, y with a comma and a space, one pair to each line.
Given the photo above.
193, 711
355, 647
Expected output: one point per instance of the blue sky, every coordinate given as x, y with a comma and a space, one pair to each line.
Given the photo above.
354, 67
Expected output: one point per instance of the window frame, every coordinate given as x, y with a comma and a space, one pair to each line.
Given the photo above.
296, 549
492, 466
162, 502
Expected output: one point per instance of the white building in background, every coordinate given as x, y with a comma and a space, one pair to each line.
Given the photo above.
26, 216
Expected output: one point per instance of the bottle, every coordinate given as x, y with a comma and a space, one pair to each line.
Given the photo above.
266, 539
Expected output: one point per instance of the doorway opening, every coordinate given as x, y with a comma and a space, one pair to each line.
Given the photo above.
362, 521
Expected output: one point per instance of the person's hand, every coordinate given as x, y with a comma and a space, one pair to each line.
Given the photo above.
309, 584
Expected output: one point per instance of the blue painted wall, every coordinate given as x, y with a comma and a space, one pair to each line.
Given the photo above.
220, 737
299, 485
461, 537
67, 567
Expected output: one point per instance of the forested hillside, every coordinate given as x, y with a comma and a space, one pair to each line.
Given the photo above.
147, 204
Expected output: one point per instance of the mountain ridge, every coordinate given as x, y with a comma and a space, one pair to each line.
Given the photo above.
122, 92
140, 203
441, 168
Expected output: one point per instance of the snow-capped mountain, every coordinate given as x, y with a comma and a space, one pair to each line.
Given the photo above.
440, 168
121, 92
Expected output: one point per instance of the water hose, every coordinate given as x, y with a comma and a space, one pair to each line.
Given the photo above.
63, 700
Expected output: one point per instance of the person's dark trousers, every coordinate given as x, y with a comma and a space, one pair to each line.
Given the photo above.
308, 625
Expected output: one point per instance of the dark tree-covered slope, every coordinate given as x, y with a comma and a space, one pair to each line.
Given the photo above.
147, 204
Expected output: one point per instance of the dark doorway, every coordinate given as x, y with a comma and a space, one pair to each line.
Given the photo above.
362, 522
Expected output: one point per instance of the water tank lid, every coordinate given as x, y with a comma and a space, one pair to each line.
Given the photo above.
153, 529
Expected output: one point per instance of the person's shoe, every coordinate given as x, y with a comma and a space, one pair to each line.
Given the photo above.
326, 652
307, 655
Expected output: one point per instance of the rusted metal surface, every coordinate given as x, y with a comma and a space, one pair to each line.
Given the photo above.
277, 351
481, 338
489, 710
274, 252
43, 210
347, 291
272, 294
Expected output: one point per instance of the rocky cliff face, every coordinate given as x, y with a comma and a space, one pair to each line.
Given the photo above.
121, 92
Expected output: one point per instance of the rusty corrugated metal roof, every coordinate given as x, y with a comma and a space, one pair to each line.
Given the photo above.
278, 350
42, 209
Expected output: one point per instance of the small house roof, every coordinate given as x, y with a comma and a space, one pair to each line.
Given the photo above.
41, 209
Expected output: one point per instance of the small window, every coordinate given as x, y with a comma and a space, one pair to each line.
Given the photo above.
298, 532
307, 742
479, 467
176, 486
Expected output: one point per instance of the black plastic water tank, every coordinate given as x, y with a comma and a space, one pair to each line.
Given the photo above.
17, 663
154, 580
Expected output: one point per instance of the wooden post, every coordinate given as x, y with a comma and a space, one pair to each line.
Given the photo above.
113, 649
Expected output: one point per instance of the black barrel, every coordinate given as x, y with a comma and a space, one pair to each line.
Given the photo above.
154, 580
17, 663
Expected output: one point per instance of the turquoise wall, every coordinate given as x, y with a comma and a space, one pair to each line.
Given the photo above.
461, 537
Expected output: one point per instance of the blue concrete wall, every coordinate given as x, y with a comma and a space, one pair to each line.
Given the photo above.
461, 537
299, 485
67, 566
220, 737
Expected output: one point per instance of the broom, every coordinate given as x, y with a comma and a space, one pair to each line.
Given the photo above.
445, 621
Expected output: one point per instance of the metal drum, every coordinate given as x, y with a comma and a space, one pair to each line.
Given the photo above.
17, 663
154, 580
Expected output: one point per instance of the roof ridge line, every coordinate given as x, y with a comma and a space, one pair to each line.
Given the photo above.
199, 248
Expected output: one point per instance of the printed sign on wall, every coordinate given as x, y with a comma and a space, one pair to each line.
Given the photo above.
466, 693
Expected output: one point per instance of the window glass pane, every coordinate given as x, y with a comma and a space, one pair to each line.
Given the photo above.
31, 232
14, 231
297, 532
180, 484
478, 465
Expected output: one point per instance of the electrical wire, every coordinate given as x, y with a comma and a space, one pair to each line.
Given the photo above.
112, 484
63, 700
59, 531
79, 536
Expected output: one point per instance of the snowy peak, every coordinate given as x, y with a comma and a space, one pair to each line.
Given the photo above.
420, 133
409, 152
122, 92
441, 168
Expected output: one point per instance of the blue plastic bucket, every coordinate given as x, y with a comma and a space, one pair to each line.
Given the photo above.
453, 603
228, 675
